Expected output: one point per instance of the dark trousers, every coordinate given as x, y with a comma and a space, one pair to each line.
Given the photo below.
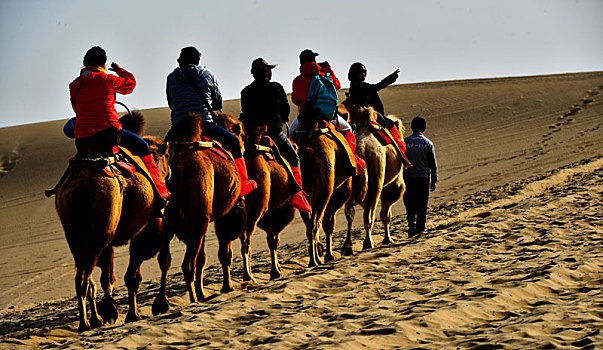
415, 200
284, 146
227, 139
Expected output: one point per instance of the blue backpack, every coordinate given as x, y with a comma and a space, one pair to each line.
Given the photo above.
322, 96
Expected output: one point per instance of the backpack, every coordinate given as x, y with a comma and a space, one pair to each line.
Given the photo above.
322, 96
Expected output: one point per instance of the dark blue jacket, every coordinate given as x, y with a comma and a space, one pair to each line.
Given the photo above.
420, 152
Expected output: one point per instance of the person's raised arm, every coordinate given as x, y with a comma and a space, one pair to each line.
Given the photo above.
125, 82
388, 80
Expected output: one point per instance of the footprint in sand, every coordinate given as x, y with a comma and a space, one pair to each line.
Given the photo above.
8, 162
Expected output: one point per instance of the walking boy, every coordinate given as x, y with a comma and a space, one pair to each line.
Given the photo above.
420, 152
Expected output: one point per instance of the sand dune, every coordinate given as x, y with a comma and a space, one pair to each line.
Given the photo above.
512, 257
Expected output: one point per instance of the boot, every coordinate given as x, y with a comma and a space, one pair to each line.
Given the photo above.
398, 138
149, 162
161, 202
246, 184
299, 201
351, 139
401, 144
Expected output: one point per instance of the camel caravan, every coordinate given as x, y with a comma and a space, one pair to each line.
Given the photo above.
239, 173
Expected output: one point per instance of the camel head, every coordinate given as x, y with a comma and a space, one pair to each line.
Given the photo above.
398, 122
232, 124
161, 153
134, 122
309, 119
190, 128
363, 116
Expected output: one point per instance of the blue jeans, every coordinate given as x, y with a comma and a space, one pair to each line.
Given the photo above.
227, 139
284, 146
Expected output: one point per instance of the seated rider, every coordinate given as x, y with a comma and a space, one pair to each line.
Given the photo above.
301, 84
192, 88
364, 94
93, 100
265, 102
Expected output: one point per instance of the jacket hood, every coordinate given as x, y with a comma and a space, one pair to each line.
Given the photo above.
309, 68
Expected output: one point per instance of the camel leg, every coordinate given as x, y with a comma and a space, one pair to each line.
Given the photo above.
246, 254
161, 304
108, 307
225, 257
329, 226
273, 243
350, 212
199, 267
132, 278
370, 209
95, 319
192, 259
391, 194
82, 284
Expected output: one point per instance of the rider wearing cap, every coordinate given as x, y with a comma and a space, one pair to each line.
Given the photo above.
301, 84
265, 102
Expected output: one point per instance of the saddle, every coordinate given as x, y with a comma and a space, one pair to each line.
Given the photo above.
120, 162
205, 143
385, 137
327, 128
270, 151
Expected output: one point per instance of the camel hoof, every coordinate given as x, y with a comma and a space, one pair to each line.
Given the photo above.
96, 322
388, 240
347, 250
250, 281
227, 289
368, 244
132, 317
275, 275
329, 257
83, 328
108, 310
160, 306
320, 249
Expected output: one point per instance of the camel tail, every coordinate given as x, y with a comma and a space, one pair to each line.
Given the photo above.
134, 122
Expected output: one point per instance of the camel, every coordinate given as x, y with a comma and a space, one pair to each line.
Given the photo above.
382, 178
98, 211
205, 187
327, 177
267, 206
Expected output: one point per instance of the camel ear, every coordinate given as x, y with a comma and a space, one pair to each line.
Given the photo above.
163, 147
236, 129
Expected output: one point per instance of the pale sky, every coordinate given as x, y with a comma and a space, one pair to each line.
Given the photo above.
43, 42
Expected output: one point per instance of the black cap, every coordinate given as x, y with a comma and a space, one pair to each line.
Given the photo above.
307, 56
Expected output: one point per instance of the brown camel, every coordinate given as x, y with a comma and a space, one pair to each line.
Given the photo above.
382, 178
267, 206
205, 187
326, 174
98, 211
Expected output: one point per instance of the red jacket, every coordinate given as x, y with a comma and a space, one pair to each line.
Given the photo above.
93, 99
301, 83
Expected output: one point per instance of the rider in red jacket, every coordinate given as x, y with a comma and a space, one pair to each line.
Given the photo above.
308, 69
301, 84
93, 100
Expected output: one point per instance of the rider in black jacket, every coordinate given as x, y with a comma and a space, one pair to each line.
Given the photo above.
265, 102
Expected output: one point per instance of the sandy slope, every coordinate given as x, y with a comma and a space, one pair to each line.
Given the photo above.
504, 262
